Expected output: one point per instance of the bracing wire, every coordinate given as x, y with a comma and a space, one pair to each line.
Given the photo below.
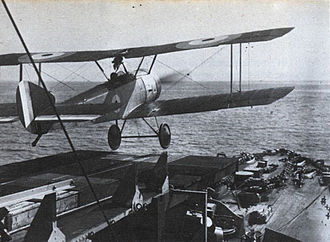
56, 113
192, 70
71, 73
207, 59
63, 83
43, 72
86, 79
183, 76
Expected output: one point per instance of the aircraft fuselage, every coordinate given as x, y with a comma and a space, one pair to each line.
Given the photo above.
145, 88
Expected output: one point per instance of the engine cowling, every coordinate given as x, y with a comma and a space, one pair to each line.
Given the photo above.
152, 87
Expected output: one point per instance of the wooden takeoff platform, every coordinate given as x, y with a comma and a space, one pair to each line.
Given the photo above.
80, 217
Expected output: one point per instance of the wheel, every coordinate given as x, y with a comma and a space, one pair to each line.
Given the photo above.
137, 207
164, 135
114, 137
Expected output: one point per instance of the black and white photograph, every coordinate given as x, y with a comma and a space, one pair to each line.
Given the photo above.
188, 120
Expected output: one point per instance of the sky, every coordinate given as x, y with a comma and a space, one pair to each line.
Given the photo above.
302, 55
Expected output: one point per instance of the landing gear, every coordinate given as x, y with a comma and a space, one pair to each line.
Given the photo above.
114, 137
163, 134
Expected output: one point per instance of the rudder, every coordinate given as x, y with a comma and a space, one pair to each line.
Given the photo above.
31, 101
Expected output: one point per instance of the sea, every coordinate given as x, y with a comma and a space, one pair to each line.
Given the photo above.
300, 122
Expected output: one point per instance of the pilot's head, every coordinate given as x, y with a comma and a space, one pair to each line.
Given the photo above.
113, 75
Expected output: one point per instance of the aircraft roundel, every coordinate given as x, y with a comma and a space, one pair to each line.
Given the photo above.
115, 99
44, 57
200, 43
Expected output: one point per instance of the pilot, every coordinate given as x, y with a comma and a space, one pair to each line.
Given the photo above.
113, 76
112, 79
117, 78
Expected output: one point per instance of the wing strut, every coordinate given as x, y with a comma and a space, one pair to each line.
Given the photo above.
240, 67
20, 72
231, 68
152, 64
39, 80
137, 70
101, 69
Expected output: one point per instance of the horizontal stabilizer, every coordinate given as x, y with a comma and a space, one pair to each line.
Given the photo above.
66, 118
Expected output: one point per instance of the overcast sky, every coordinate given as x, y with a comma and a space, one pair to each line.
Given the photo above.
303, 54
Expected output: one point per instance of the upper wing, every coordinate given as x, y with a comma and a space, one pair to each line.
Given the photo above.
210, 103
81, 56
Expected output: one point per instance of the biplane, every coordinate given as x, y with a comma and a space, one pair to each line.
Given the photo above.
127, 95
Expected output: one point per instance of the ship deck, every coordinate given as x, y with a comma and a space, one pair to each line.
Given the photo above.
297, 212
105, 170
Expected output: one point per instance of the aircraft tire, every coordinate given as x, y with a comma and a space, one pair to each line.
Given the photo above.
114, 137
164, 135
137, 207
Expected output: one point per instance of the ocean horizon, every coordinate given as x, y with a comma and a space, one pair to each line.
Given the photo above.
299, 121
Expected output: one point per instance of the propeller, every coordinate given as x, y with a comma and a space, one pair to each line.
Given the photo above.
171, 78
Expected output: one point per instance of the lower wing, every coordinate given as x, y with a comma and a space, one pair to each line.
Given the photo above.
99, 114
8, 113
210, 103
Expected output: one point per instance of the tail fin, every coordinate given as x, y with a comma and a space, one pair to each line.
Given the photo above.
158, 180
128, 193
43, 226
32, 100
